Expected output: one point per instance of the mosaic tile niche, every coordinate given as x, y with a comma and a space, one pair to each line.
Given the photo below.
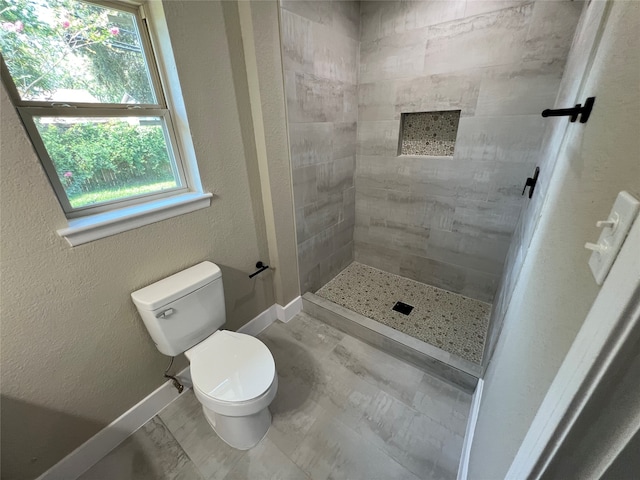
429, 133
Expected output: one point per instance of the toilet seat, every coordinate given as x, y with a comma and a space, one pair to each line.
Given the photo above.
232, 369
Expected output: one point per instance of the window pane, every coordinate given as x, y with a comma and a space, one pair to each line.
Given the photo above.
104, 159
71, 51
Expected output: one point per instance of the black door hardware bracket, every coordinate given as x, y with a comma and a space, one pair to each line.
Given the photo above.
531, 182
574, 112
261, 268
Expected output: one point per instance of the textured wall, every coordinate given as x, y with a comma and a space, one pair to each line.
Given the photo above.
555, 288
555, 128
320, 51
441, 220
264, 76
75, 354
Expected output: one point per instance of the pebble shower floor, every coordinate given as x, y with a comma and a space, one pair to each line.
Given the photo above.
452, 322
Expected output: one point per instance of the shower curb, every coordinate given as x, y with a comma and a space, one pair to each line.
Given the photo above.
433, 360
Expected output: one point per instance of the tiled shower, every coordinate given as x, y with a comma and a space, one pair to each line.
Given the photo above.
431, 202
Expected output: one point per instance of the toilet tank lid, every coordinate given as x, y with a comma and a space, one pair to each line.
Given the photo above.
176, 286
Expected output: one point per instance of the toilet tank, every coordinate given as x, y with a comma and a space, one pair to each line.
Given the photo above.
183, 309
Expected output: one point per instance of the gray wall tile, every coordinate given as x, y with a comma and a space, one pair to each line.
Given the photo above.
346, 19
448, 221
399, 17
319, 12
512, 138
310, 143
320, 43
469, 282
378, 138
297, 47
305, 187
352, 69
509, 92
379, 59
490, 39
313, 99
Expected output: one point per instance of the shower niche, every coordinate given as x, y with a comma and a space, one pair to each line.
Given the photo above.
429, 133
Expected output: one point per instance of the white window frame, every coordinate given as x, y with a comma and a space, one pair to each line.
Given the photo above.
90, 223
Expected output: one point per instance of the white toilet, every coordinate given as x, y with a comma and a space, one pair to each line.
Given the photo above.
234, 375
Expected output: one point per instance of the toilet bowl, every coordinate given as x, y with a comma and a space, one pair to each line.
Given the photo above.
234, 378
234, 375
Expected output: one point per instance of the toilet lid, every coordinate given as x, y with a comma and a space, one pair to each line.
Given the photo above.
232, 367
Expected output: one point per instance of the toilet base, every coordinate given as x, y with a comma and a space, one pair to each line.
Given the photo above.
242, 433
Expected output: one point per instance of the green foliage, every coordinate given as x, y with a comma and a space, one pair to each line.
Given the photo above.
54, 45
99, 196
106, 155
50, 45
28, 60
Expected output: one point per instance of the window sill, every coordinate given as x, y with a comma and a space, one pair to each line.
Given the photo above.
93, 227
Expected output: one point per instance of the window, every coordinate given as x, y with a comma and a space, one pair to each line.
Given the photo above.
84, 79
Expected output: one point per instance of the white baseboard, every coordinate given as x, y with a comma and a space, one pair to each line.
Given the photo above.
98, 446
463, 469
258, 324
290, 310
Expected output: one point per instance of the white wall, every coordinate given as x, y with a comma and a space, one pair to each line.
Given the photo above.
555, 289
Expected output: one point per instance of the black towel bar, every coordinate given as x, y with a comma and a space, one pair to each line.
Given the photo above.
261, 268
574, 112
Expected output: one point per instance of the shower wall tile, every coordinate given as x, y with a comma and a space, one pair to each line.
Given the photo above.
378, 138
310, 143
318, 216
379, 255
346, 18
400, 17
451, 91
516, 93
477, 7
507, 138
452, 178
350, 103
388, 172
313, 99
318, 49
487, 220
335, 56
369, 21
407, 207
560, 19
507, 182
334, 246
344, 135
471, 283
320, 43
448, 221
296, 42
469, 251
486, 40
338, 175
379, 59
305, 186
320, 246
401, 237
374, 100
474, 283
418, 94
318, 12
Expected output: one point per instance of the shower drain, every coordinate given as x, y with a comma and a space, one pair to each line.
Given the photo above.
403, 308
